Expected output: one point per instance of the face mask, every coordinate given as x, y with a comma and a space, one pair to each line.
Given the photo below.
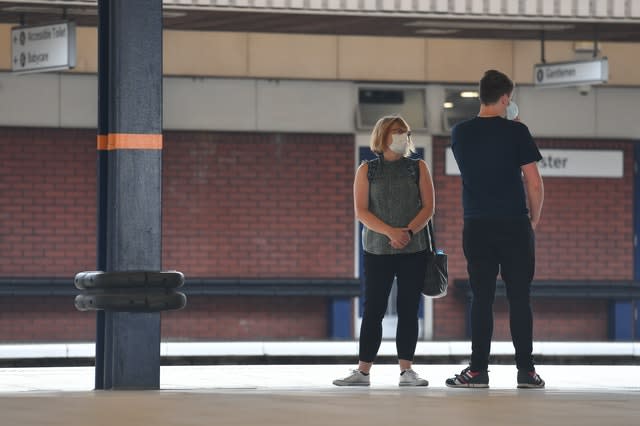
512, 110
400, 143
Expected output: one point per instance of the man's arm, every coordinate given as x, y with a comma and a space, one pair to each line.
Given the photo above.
535, 191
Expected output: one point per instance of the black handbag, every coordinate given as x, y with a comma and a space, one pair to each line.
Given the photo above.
437, 277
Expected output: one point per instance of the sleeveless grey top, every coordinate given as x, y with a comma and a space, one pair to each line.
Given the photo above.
394, 197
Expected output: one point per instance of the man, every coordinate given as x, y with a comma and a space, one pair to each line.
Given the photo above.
497, 160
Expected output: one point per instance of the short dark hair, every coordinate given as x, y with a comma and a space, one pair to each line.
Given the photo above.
493, 85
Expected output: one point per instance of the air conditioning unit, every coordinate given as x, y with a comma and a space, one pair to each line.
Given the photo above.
376, 102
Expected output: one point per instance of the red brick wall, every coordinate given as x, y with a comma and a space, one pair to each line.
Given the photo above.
271, 205
47, 202
234, 205
276, 205
586, 223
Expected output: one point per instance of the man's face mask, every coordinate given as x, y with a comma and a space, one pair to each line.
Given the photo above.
512, 111
400, 143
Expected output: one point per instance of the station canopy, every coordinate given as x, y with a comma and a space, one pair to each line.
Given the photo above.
602, 20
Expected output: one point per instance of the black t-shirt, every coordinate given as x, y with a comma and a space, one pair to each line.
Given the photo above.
489, 152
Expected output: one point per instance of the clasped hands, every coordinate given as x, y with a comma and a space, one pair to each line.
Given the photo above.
399, 237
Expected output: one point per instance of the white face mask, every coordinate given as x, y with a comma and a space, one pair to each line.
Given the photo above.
512, 110
400, 143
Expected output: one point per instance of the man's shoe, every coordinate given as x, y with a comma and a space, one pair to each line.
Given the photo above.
356, 378
529, 380
469, 379
411, 378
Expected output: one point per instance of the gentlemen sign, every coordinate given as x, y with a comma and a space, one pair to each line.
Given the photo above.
43, 48
571, 73
568, 163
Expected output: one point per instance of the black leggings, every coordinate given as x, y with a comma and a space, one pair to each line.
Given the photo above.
379, 270
507, 246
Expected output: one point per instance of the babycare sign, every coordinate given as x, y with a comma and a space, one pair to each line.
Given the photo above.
43, 48
568, 163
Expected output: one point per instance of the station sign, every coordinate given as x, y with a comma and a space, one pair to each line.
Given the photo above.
573, 163
43, 48
577, 73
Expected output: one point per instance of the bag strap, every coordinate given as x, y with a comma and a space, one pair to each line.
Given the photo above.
432, 236
373, 166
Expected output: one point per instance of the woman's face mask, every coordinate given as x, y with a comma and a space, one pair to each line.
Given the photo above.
400, 143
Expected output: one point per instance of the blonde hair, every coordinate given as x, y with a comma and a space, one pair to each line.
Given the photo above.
381, 131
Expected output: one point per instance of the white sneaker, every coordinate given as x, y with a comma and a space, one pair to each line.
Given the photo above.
356, 378
411, 378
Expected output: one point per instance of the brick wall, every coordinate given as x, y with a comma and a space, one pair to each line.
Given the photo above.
47, 202
276, 205
234, 205
586, 223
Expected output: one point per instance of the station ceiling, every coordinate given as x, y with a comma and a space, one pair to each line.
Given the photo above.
340, 23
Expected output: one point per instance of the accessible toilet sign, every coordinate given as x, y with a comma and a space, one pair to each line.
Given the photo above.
577, 73
43, 48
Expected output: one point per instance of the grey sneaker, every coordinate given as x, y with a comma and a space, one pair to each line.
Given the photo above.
411, 378
356, 378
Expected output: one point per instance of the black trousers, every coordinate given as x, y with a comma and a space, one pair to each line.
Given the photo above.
379, 270
505, 245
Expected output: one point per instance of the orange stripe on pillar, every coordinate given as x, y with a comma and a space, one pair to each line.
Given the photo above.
115, 141
102, 142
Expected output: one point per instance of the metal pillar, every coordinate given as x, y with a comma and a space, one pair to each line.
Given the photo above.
129, 183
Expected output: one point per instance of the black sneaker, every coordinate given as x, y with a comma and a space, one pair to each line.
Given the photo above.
529, 380
469, 379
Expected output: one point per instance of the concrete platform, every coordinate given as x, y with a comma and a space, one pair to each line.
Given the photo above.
303, 395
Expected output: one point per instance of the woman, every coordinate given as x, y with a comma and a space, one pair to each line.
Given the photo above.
394, 200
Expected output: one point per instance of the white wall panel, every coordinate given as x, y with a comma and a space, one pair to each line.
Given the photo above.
216, 104
548, 7
495, 7
530, 7
424, 5
388, 5
635, 9
512, 7
305, 106
477, 6
279, 3
617, 113
30, 100
78, 100
406, 5
600, 8
583, 8
561, 112
352, 4
442, 6
618, 8
566, 8
460, 6
369, 4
